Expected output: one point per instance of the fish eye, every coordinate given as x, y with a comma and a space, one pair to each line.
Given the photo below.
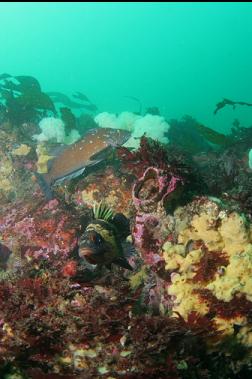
95, 238
98, 240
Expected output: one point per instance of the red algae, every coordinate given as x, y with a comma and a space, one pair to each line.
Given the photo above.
238, 306
209, 264
69, 269
150, 153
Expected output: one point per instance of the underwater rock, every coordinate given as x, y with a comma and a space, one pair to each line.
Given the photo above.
108, 185
190, 289
39, 231
15, 168
150, 195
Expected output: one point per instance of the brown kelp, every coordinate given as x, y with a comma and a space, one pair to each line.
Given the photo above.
185, 134
23, 104
23, 99
84, 103
69, 119
225, 102
213, 136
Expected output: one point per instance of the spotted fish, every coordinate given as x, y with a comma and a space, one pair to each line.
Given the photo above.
94, 148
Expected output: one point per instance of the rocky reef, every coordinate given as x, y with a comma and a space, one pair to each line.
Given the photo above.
185, 311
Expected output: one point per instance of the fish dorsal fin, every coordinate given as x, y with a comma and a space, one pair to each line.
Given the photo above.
103, 212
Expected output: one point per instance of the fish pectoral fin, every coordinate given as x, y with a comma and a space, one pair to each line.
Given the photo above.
101, 155
73, 175
122, 262
129, 250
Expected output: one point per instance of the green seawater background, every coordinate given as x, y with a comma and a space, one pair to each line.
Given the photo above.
181, 57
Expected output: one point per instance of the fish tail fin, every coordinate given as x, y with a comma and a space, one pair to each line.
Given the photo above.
44, 185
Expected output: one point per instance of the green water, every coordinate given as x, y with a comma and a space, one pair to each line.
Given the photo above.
183, 58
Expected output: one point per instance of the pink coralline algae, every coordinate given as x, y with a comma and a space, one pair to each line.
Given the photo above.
46, 231
150, 196
154, 187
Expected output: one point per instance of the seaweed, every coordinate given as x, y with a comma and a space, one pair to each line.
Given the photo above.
184, 133
23, 100
68, 118
152, 153
58, 97
238, 306
213, 136
208, 265
225, 102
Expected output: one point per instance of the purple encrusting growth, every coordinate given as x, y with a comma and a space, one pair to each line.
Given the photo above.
162, 185
150, 194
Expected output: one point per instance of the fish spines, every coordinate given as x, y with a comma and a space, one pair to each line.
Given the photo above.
102, 211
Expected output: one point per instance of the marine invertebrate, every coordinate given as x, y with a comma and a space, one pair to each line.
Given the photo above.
21, 150
150, 195
152, 126
70, 269
210, 265
153, 188
53, 129
43, 158
124, 120
157, 323
6, 172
